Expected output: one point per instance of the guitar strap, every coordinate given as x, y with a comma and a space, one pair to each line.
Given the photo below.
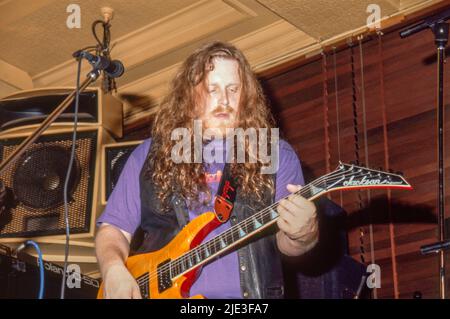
223, 202
181, 211
226, 195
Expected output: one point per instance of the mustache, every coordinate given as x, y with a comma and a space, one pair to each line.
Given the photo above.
222, 109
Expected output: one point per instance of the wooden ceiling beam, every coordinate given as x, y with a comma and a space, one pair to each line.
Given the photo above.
14, 77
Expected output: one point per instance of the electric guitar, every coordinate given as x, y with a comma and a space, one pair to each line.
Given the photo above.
171, 271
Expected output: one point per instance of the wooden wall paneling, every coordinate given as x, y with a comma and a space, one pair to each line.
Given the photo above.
410, 84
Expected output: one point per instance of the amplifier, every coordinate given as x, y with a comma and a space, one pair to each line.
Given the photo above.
19, 278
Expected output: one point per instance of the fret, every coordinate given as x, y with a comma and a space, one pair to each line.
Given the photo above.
260, 218
307, 191
211, 247
265, 217
173, 269
201, 252
273, 214
313, 190
185, 262
181, 267
206, 251
222, 242
256, 222
198, 259
230, 239
250, 225
241, 231
190, 261
247, 225
215, 245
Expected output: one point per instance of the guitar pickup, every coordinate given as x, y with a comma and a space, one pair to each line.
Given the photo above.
143, 283
164, 276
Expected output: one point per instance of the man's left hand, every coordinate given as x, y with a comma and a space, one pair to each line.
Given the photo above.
297, 221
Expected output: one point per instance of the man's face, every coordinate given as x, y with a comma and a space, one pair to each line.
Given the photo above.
220, 102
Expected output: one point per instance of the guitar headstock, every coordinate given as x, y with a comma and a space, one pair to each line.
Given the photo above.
349, 176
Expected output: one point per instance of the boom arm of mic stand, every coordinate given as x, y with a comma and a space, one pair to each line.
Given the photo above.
92, 76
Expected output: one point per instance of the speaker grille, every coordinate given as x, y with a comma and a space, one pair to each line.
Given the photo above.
35, 185
116, 157
38, 180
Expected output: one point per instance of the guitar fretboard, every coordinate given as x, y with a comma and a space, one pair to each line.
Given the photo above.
344, 178
238, 233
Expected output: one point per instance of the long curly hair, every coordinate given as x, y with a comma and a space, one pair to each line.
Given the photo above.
180, 108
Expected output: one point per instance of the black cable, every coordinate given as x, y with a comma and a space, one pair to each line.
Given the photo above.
362, 250
106, 38
89, 48
103, 49
94, 24
66, 182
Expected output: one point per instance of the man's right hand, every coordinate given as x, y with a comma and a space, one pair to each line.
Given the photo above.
119, 284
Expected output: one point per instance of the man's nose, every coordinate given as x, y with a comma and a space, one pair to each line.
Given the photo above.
224, 100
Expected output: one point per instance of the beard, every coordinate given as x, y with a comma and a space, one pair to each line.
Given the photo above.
221, 118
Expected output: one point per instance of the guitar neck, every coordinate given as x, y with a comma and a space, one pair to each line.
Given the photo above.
345, 177
239, 233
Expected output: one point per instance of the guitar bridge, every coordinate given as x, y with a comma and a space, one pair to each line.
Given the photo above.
164, 276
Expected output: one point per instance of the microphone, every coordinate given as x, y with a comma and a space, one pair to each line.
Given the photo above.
113, 68
435, 247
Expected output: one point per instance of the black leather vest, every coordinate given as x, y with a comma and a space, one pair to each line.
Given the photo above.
259, 261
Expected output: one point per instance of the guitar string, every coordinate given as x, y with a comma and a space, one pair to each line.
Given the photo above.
231, 232
228, 233
165, 267
232, 229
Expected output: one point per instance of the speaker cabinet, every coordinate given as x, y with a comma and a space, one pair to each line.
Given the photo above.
35, 197
35, 181
26, 109
114, 158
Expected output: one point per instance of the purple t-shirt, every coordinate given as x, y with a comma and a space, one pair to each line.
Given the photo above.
219, 279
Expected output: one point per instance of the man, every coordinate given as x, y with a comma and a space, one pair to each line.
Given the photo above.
215, 85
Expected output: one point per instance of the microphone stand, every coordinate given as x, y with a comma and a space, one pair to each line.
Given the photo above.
441, 31
91, 77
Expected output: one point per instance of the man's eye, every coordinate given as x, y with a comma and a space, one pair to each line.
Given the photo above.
233, 90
